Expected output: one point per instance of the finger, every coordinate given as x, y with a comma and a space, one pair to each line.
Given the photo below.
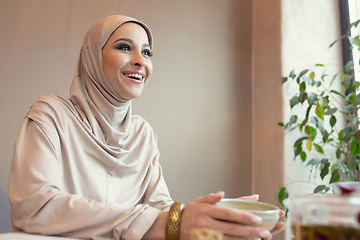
233, 215
282, 213
254, 197
237, 238
231, 229
280, 226
211, 198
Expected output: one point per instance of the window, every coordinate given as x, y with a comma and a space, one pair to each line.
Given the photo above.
354, 11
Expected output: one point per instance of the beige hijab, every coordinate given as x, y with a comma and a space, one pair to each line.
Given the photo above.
100, 107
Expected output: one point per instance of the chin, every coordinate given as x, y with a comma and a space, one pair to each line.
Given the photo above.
132, 96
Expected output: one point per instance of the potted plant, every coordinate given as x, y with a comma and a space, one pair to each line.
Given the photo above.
319, 125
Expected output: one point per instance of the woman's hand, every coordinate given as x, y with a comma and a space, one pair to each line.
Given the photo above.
203, 213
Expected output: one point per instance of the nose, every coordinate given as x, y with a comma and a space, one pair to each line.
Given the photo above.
138, 59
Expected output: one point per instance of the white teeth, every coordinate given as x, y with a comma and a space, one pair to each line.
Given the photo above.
135, 75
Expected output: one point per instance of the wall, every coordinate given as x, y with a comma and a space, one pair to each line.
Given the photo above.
214, 98
308, 27
305, 43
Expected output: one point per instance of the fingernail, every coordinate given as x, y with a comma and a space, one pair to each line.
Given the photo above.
256, 219
220, 193
265, 234
256, 195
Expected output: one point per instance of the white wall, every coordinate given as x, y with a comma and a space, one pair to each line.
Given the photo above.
308, 27
305, 43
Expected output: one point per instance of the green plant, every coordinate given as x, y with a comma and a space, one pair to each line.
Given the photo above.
319, 125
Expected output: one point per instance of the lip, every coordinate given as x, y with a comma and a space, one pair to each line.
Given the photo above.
136, 72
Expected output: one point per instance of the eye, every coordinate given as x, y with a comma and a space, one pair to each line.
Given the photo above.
124, 47
147, 53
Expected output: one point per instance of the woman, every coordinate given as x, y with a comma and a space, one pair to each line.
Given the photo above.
85, 167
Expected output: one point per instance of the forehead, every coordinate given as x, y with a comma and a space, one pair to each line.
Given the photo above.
131, 30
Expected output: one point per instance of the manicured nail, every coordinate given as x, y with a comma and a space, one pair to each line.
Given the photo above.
256, 219
265, 234
220, 193
256, 195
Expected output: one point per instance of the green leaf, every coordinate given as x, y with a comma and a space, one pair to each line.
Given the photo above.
299, 141
297, 149
303, 73
301, 125
293, 119
294, 101
346, 80
325, 136
357, 136
333, 79
342, 166
315, 121
343, 36
335, 176
292, 74
330, 111
347, 133
338, 153
354, 24
336, 92
319, 65
319, 188
319, 111
310, 131
281, 124
303, 156
324, 101
312, 98
352, 162
325, 165
353, 147
350, 98
349, 66
282, 193
283, 80
314, 162
349, 108
356, 41
332, 121
321, 125
318, 148
357, 99
303, 97
346, 85
355, 85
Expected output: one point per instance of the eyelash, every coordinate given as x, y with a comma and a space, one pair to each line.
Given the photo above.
126, 47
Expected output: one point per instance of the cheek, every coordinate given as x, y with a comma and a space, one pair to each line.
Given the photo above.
111, 65
149, 69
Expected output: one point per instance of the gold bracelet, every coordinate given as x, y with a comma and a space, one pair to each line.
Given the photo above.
174, 220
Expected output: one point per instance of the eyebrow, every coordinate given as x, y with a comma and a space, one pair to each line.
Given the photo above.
130, 41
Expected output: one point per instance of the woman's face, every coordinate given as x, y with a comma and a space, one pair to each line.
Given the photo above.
126, 60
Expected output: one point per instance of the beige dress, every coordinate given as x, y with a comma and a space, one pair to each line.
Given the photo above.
84, 166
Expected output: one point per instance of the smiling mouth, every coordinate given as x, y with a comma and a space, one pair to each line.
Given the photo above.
134, 76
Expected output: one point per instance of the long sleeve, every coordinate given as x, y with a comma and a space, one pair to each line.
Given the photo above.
42, 201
